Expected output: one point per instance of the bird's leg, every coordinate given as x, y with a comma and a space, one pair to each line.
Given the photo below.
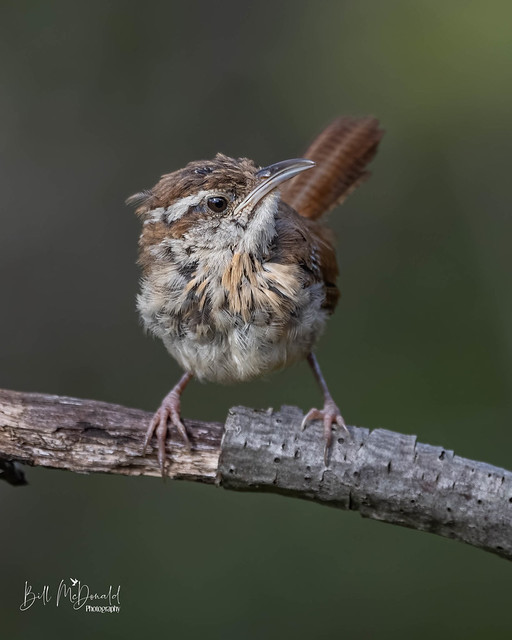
169, 410
330, 414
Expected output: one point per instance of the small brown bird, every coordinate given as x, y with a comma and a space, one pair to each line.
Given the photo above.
239, 271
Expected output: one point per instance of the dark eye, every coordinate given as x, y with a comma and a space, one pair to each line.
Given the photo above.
217, 204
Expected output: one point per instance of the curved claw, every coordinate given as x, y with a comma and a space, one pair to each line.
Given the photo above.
312, 414
330, 416
167, 415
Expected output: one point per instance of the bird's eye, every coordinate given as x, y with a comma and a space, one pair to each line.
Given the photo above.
217, 204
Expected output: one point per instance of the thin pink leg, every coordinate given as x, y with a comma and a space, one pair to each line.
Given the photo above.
330, 414
169, 411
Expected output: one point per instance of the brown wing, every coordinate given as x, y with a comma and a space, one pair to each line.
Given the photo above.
341, 153
310, 246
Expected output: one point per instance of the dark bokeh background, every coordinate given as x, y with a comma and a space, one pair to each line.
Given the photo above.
98, 99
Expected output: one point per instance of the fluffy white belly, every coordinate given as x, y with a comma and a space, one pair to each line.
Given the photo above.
248, 351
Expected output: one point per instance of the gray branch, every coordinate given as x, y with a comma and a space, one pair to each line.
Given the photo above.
384, 475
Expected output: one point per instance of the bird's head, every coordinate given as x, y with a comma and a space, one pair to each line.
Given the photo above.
224, 202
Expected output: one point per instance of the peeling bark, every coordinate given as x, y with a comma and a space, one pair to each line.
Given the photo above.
90, 436
384, 475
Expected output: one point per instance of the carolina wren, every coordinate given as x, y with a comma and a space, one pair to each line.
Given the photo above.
238, 269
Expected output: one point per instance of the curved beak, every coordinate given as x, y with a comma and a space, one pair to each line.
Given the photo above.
272, 176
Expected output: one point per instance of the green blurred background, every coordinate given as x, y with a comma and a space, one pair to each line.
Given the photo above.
100, 98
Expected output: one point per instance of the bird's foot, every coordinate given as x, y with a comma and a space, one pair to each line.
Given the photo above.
166, 416
331, 417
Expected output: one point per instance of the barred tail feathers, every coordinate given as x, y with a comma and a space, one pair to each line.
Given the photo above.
341, 153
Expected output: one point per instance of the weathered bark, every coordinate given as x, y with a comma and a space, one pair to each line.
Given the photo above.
90, 436
383, 475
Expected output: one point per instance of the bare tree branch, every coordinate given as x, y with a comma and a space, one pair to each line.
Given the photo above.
384, 475
89, 436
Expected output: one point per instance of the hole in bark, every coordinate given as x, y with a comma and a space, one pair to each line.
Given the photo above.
389, 466
498, 548
479, 502
308, 468
443, 454
341, 440
448, 509
277, 460
413, 501
510, 499
231, 469
297, 453
356, 473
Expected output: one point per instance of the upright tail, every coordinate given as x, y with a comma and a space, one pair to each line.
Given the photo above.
341, 153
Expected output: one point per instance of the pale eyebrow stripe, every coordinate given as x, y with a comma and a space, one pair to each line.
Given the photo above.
180, 208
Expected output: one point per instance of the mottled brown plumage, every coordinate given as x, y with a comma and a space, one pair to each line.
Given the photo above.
299, 240
239, 277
